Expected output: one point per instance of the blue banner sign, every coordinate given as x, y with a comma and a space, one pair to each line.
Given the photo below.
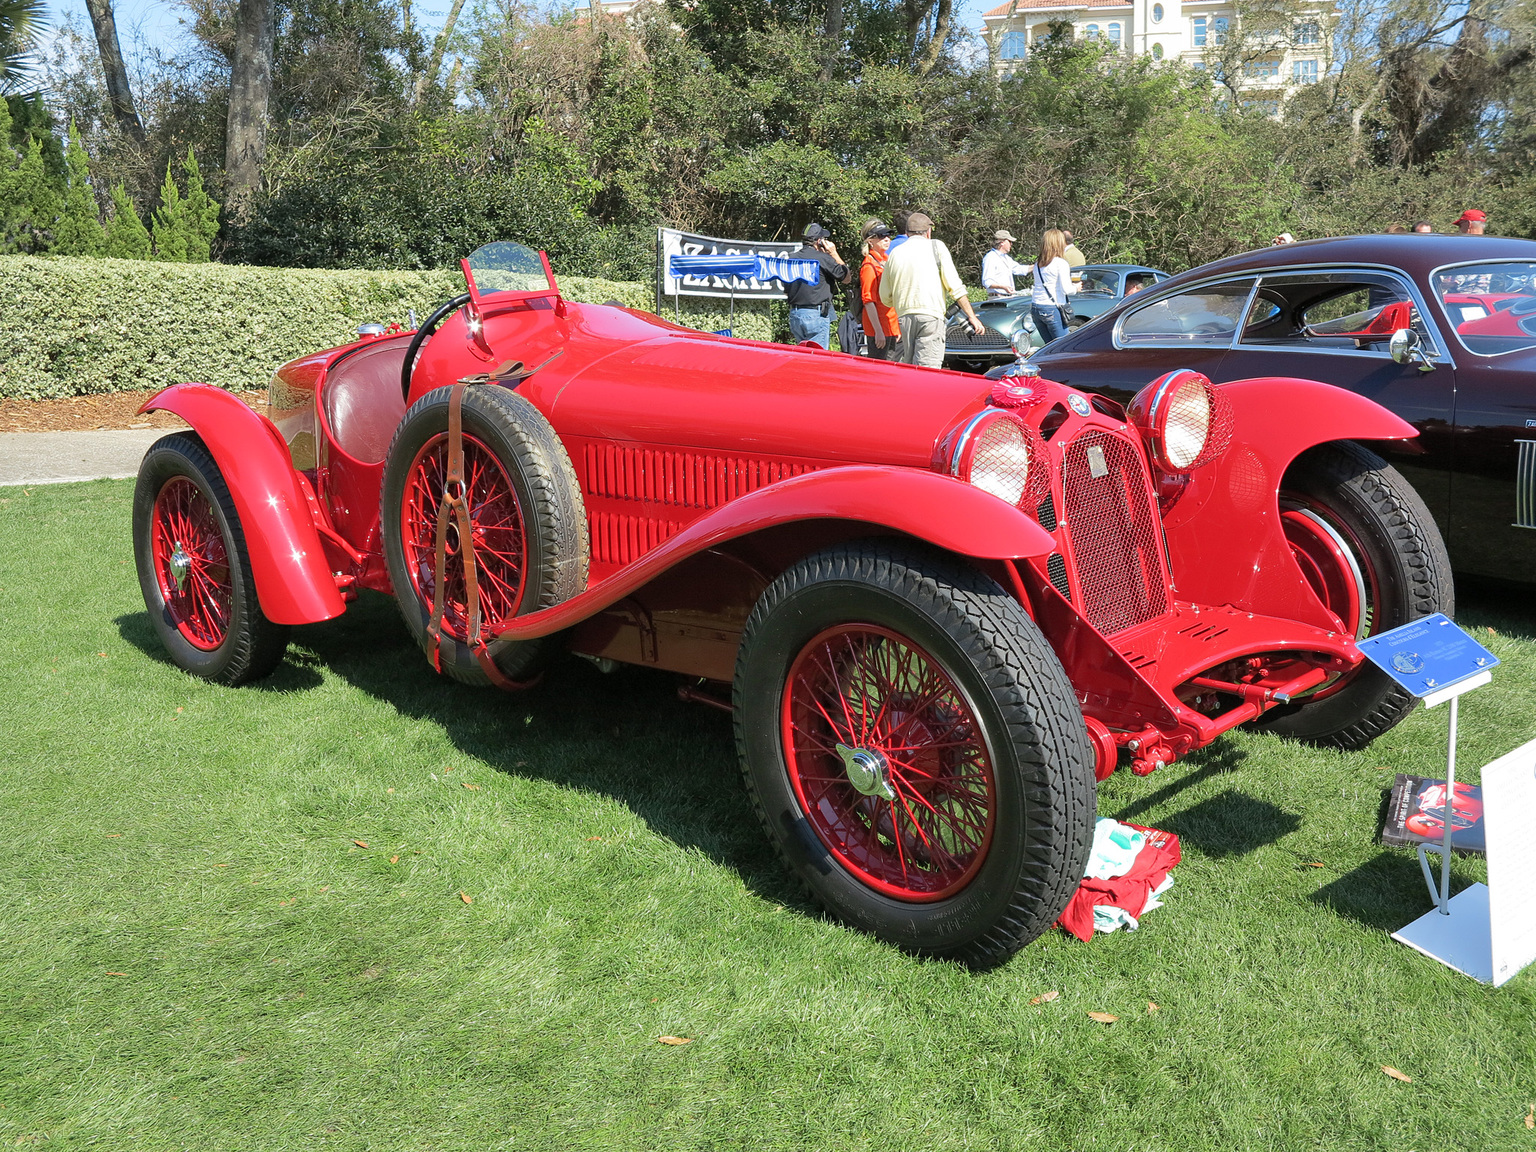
1428, 656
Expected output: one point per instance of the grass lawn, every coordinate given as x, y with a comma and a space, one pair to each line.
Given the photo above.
197, 952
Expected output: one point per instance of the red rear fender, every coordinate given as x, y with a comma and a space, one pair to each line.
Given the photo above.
293, 580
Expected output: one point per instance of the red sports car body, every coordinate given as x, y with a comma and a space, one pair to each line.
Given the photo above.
944, 605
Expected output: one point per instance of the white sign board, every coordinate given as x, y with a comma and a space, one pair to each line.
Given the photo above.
1490, 932
1509, 813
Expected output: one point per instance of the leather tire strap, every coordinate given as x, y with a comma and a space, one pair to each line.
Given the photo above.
454, 509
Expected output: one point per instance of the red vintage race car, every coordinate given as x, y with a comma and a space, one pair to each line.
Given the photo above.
943, 605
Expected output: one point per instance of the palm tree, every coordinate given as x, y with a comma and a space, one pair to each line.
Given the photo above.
20, 23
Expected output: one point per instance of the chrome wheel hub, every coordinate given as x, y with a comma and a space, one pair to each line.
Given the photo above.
181, 567
867, 768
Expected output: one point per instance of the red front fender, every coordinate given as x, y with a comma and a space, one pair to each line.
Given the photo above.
293, 580
941, 510
1225, 540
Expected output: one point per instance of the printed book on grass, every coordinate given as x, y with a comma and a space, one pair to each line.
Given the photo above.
1417, 812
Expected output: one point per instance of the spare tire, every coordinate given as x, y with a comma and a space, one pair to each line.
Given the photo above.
530, 531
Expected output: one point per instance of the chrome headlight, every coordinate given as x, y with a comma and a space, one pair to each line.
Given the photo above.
992, 451
1184, 419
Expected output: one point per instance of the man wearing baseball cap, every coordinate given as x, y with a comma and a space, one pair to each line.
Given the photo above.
919, 278
811, 314
998, 268
1472, 222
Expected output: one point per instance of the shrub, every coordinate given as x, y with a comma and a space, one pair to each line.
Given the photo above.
71, 326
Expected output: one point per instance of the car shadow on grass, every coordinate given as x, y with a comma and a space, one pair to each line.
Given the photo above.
624, 734
1505, 607
294, 674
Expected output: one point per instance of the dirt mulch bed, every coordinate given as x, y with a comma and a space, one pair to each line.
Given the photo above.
89, 413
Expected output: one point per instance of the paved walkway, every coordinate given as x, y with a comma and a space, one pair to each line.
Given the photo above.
60, 457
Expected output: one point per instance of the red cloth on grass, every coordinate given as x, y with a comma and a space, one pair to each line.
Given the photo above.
1155, 860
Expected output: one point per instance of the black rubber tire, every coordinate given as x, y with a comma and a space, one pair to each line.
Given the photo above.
253, 645
554, 518
1360, 492
1042, 758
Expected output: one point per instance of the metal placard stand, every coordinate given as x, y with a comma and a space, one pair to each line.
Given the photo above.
1439, 663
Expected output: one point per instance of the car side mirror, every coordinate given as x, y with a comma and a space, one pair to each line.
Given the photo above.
1406, 347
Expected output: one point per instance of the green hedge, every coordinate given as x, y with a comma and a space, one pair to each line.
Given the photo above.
71, 326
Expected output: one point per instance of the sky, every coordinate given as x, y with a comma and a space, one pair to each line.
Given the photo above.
158, 21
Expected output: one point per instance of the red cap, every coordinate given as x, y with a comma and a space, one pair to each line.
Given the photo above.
1472, 214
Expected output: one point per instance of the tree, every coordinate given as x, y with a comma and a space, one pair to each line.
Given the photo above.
169, 223
250, 90
202, 214
32, 204
20, 22
119, 91
127, 238
79, 232
429, 75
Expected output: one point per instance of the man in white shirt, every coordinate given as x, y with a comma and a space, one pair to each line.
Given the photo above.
998, 267
918, 278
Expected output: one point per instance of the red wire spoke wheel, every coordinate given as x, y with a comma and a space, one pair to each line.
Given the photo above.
194, 567
1366, 545
888, 761
528, 528
914, 750
192, 564
499, 543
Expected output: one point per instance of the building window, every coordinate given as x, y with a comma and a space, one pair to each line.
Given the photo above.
1091, 32
1157, 13
1114, 35
1261, 69
1307, 32
1157, 51
1267, 107
1011, 47
1219, 28
1304, 71
1198, 65
1199, 31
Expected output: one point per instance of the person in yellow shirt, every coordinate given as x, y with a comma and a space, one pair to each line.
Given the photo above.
918, 281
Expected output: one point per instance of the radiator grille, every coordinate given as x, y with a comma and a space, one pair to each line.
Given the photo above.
961, 336
1113, 528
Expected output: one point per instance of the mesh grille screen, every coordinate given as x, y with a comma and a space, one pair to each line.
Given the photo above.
1113, 526
1047, 510
1056, 569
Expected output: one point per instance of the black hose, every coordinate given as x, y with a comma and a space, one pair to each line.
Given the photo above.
428, 327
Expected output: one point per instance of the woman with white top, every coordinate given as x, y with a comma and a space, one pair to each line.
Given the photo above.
1053, 283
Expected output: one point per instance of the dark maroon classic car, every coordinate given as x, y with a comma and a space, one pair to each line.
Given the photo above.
1439, 329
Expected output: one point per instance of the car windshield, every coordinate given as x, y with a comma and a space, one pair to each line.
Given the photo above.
1491, 306
506, 266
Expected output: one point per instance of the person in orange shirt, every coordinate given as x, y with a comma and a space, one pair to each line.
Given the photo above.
880, 327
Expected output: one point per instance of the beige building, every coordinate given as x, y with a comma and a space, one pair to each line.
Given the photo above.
1273, 60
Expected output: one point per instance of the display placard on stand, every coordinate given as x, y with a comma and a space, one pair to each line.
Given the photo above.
1487, 931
